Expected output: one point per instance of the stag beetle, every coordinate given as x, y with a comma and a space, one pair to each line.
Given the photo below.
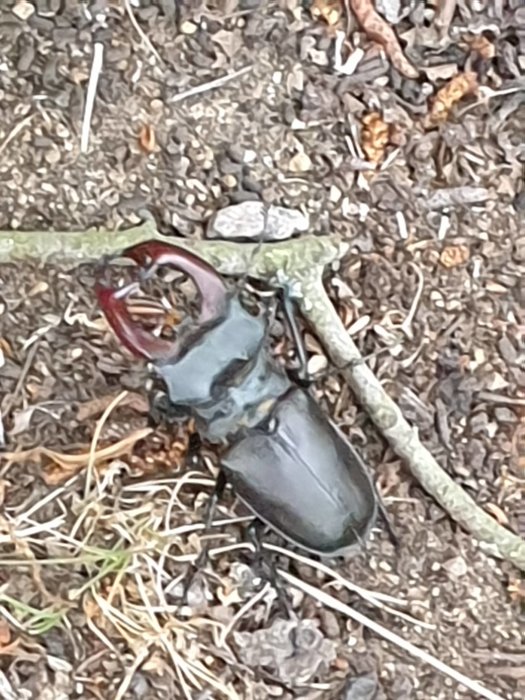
286, 461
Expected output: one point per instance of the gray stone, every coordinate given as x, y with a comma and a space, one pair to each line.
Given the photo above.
256, 221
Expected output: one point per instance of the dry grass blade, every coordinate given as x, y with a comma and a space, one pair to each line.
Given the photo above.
242, 612
15, 131
383, 632
379, 600
211, 85
96, 436
138, 29
96, 68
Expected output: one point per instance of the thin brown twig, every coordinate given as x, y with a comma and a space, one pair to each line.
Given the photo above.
21, 379
15, 131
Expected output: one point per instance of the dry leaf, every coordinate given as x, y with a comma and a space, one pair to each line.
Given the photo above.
5, 347
377, 29
481, 45
330, 11
374, 137
65, 466
497, 513
300, 163
449, 95
516, 590
228, 595
454, 255
147, 139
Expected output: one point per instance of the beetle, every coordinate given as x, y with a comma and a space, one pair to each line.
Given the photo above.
285, 459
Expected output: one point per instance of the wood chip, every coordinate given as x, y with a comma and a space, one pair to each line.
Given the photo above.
374, 137
459, 87
481, 45
147, 140
330, 11
454, 255
300, 163
497, 513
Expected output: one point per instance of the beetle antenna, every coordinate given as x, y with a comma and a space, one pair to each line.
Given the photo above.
360, 541
392, 536
303, 377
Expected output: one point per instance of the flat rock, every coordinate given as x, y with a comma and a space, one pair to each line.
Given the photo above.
256, 221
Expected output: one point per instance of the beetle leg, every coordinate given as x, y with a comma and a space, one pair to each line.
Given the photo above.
265, 563
392, 535
303, 377
135, 338
202, 559
211, 288
211, 507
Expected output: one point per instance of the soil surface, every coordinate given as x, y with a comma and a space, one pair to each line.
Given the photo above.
94, 609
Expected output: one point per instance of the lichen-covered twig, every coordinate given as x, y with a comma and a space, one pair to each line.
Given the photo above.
273, 263
403, 438
298, 264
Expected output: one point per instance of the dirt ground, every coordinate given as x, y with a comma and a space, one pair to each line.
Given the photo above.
97, 616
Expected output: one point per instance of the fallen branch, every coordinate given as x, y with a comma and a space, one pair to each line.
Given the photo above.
298, 264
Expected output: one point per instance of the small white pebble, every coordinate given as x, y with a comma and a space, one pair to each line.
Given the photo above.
335, 194
317, 364
23, 9
61, 131
300, 163
402, 225
298, 124
229, 181
188, 27
359, 325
